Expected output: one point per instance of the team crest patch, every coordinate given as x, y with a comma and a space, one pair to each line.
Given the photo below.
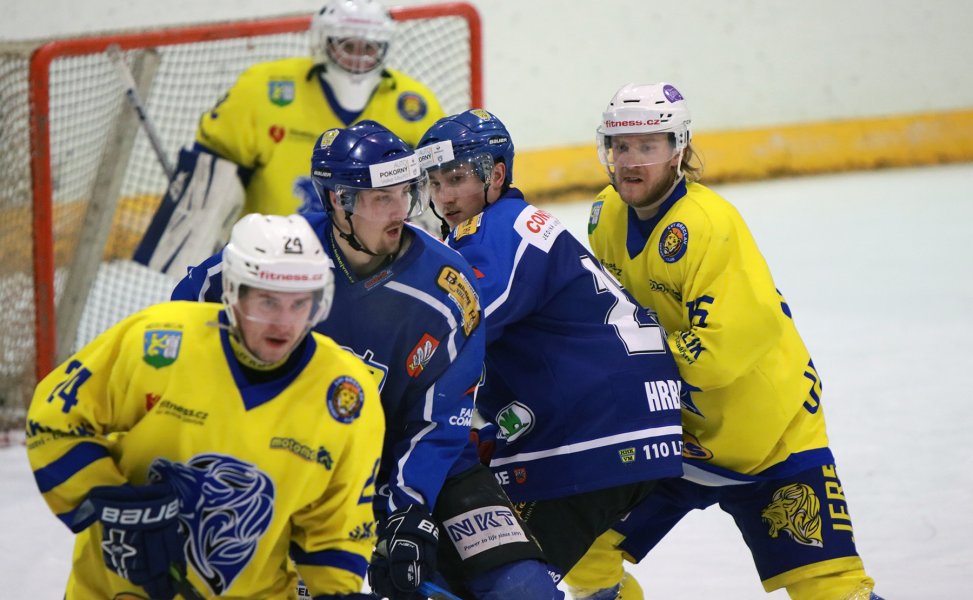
328, 137
412, 106
520, 475
795, 510
594, 216
461, 293
280, 93
421, 355
161, 347
468, 227
673, 243
345, 399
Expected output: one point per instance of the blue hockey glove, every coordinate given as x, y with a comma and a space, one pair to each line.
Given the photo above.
141, 541
405, 554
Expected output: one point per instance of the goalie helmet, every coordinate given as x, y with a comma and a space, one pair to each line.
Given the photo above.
366, 156
476, 136
353, 35
280, 254
642, 109
350, 41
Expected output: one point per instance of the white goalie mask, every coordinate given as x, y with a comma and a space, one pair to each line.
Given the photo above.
277, 254
638, 110
351, 38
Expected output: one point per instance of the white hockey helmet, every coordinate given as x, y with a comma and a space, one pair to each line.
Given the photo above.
352, 35
641, 109
281, 254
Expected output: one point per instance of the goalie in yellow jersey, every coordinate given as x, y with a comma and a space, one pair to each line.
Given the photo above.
253, 147
754, 437
194, 448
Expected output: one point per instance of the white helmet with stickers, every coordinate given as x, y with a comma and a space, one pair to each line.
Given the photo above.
279, 254
644, 109
351, 38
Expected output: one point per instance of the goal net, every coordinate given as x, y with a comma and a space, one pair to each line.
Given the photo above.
79, 180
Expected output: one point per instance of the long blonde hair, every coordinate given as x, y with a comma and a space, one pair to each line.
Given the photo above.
691, 163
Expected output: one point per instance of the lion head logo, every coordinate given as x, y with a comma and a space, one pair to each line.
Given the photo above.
673, 242
226, 506
795, 510
345, 399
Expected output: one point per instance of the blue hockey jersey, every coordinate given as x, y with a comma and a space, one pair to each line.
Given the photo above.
416, 324
579, 381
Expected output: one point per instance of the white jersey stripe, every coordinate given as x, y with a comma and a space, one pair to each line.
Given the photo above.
589, 445
432, 302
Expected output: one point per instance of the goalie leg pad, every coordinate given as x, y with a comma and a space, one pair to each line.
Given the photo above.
202, 202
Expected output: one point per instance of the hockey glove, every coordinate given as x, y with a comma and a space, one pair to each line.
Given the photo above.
405, 554
141, 541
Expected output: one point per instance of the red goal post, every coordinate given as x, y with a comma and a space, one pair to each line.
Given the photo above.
60, 108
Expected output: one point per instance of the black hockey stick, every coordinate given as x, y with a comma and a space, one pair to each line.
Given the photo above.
185, 588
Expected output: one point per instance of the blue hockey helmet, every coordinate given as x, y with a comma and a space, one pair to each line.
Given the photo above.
473, 136
365, 156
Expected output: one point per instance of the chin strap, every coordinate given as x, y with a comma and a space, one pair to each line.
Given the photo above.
443, 225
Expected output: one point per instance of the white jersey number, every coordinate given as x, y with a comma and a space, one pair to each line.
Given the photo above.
639, 338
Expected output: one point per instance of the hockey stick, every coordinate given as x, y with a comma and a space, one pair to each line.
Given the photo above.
434, 592
185, 588
114, 54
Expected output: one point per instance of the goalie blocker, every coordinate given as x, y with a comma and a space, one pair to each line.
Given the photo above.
201, 204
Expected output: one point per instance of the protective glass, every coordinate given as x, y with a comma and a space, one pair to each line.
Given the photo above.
355, 54
279, 308
459, 175
401, 201
637, 150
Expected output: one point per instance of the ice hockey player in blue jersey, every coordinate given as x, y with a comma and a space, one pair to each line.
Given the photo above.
579, 382
409, 307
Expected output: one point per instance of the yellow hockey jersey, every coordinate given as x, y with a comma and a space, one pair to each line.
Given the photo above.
271, 117
286, 464
755, 405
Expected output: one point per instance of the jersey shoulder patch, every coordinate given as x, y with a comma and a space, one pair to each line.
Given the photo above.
538, 227
468, 227
461, 292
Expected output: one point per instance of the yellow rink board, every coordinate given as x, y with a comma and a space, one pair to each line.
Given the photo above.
573, 173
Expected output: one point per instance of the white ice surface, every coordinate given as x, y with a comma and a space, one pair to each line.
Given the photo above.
877, 268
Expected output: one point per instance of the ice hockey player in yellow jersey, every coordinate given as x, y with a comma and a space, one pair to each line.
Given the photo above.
754, 430
252, 148
199, 444
268, 121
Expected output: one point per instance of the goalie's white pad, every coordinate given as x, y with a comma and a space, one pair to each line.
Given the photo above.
195, 216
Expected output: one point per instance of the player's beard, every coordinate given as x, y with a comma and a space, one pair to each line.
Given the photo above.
651, 189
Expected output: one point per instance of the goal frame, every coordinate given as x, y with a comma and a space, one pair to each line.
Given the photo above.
45, 317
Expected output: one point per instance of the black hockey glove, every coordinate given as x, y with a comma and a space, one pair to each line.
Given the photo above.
141, 541
405, 554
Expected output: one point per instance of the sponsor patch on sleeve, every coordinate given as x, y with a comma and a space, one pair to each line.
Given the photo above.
539, 227
461, 293
468, 227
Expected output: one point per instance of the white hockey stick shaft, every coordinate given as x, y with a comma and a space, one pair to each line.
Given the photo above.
131, 92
